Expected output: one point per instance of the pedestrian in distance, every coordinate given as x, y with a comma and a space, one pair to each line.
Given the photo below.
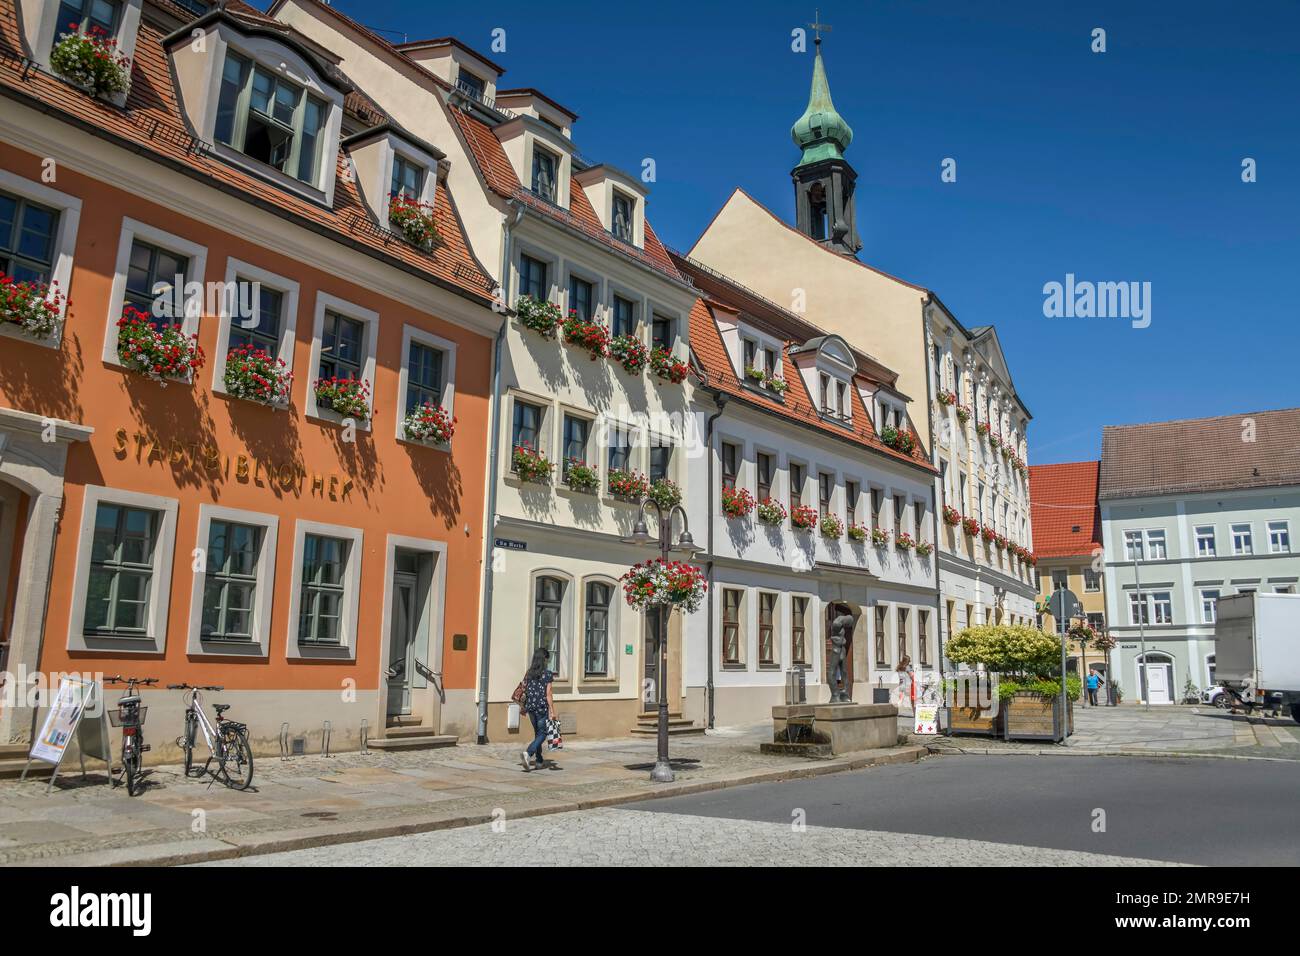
539, 702
1094, 683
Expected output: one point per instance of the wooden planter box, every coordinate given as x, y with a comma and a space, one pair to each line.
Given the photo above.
1035, 717
976, 721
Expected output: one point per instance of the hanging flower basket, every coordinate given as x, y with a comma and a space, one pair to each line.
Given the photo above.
831, 527
904, 541
925, 549
581, 476
857, 532
879, 537
1007, 453
540, 316
91, 61
995, 439
253, 375
988, 534
737, 502
349, 397
629, 485
530, 464
804, 517
588, 335
1001, 542
665, 493
898, 439
628, 351
982, 428
35, 307
158, 353
666, 367
970, 526
414, 220
951, 516
429, 423
963, 413
946, 398
771, 511
659, 583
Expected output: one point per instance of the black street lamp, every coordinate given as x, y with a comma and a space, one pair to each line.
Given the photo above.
663, 771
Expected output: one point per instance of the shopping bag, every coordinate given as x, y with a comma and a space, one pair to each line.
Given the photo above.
553, 739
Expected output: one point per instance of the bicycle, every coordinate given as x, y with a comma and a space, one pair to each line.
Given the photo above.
130, 716
227, 741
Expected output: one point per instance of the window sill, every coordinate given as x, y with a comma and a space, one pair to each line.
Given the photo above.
270, 174
11, 330
734, 667
328, 652
328, 416
130, 373
238, 401
425, 443
514, 481
218, 648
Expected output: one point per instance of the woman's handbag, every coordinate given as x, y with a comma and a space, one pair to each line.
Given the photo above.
553, 739
518, 695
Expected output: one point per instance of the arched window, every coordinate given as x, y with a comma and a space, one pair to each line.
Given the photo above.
595, 627
548, 617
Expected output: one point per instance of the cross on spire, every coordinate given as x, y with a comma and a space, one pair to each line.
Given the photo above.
817, 26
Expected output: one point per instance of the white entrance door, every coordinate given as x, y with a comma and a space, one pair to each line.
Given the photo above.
1158, 684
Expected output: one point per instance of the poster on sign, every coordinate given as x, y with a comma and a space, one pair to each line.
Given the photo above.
927, 719
61, 722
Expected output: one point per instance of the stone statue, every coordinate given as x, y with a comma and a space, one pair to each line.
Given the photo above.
837, 676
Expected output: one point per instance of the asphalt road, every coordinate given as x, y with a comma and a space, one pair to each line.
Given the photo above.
966, 810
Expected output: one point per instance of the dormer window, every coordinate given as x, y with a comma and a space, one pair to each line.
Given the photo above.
835, 398
270, 119
545, 181
89, 16
408, 178
621, 225
471, 85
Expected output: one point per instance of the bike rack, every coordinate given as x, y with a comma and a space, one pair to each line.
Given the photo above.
326, 733
284, 740
365, 736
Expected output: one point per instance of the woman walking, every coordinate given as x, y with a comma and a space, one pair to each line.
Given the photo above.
540, 704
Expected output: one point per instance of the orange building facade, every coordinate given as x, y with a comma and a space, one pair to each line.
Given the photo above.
322, 565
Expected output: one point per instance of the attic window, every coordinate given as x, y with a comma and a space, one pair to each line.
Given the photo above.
545, 165
270, 119
835, 398
471, 85
89, 15
408, 178
621, 224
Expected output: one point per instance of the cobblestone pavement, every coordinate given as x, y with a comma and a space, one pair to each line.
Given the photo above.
611, 837
1180, 729
179, 816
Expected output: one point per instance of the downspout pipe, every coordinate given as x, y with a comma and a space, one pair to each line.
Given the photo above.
721, 401
931, 387
494, 465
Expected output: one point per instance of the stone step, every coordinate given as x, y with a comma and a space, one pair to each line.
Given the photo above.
11, 768
13, 751
422, 742
647, 725
407, 731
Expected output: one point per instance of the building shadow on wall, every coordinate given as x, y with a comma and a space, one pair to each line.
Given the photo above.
440, 480
175, 419
357, 458
271, 436
741, 535
44, 381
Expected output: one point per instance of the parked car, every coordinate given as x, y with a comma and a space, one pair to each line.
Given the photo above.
1217, 696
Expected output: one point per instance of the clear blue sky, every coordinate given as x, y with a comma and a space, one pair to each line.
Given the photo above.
1121, 166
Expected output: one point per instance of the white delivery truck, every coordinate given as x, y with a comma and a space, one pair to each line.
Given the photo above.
1257, 650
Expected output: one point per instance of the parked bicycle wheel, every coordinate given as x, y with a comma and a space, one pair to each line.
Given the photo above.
236, 759
187, 745
131, 764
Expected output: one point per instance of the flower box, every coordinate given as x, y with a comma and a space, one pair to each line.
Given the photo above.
831, 527
924, 549
879, 537
970, 526
665, 493
771, 511
898, 439
91, 61
253, 375
429, 423
755, 374
857, 532
1001, 542
982, 428
951, 516
778, 385
737, 502
536, 314
159, 353
804, 517
414, 220
904, 541
530, 464
588, 335
629, 485
628, 351
946, 398
581, 476
963, 413
349, 397
35, 307
659, 583
988, 534
1034, 716
995, 439
666, 367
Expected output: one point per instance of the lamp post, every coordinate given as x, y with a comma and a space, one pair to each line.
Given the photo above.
663, 771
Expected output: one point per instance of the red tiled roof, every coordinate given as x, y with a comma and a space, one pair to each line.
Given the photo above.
797, 405
151, 124
1251, 450
1064, 509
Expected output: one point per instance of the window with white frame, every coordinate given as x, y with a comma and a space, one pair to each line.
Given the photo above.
732, 604
526, 430
122, 587
326, 592
623, 209
834, 394
89, 16
880, 637
799, 630
1242, 539
545, 181
1091, 579
152, 273
428, 375
1153, 607
1133, 549
269, 118
548, 617
1205, 543
407, 179
767, 629
1279, 537
598, 601
344, 342
618, 456
1209, 600
1156, 545
577, 431
38, 231
230, 609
